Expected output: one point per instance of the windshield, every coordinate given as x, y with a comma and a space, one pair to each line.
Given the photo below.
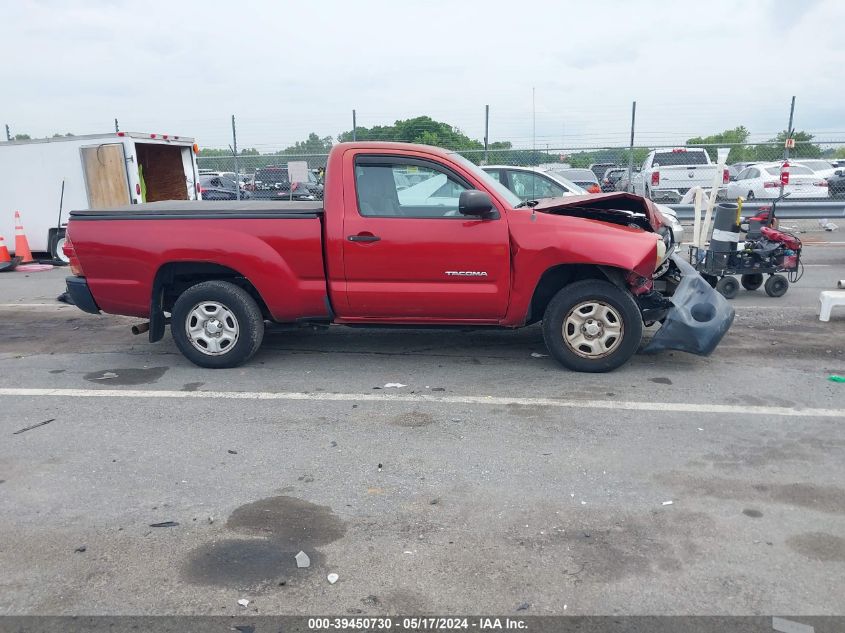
577, 189
667, 159
794, 170
488, 180
817, 165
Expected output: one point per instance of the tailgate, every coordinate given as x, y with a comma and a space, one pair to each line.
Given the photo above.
686, 175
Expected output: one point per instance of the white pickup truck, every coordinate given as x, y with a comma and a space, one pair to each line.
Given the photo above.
668, 174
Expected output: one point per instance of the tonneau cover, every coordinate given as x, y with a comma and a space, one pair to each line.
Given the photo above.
188, 209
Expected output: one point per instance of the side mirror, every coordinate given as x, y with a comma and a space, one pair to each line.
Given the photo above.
732, 179
840, 172
474, 202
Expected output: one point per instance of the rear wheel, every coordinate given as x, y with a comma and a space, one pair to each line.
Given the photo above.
752, 281
728, 287
592, 326
750, 195
217, 324
57, 242
776, 286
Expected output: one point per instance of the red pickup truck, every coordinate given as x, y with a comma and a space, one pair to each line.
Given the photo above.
405, 235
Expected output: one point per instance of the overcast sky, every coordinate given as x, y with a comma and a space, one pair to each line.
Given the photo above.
289, 68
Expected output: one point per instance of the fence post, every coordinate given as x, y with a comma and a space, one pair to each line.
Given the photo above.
235, 153
486, 130
631, 149
354, 127
8, 133
116, 126
788, 136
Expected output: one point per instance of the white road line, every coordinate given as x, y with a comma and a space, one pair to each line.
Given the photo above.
667, 407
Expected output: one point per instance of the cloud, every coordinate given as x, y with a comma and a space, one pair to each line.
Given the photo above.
286, 69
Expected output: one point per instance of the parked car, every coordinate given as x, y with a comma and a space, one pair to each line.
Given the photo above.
272, 183
762, 180
611, 177
478, 256
823, 168
667, 175
584, 178
532, 183
599, 169
836, 184
220, 188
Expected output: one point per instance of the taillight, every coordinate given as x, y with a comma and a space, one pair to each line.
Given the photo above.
655, 178
784, 173
771, 185
726, 176
138, 188
73, 260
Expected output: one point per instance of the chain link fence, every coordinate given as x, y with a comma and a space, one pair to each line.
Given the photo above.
752, 170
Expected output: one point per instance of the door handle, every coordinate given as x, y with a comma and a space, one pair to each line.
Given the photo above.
363, 237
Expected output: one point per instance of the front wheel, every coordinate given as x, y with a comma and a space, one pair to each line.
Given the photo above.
592, 326
728, 287
217, 324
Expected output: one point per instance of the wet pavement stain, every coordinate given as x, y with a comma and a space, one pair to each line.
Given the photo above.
661, 381
192, 386
284, 526
128, 376
288, 521
754, 514
819, 546
57, 371
243, 563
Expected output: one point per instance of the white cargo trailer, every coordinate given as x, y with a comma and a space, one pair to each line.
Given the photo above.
98, 171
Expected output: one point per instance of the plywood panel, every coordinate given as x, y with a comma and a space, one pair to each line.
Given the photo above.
105, 176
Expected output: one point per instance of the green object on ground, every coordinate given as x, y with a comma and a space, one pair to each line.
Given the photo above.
835, 378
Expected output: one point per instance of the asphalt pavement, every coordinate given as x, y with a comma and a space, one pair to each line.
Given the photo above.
491, 480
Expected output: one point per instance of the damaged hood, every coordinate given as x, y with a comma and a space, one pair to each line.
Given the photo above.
616, 207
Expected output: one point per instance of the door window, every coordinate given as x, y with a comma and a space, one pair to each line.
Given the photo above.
407, 190
530, 186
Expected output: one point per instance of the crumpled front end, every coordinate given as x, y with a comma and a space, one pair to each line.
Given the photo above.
699, 319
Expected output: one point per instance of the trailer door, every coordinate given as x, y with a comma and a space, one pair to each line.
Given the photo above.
105, 175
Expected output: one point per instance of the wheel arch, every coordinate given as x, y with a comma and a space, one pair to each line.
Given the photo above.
562, 275
173, 278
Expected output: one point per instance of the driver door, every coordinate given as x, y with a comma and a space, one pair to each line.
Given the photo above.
409, 255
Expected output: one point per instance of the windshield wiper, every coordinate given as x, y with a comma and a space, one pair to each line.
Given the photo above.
527, 203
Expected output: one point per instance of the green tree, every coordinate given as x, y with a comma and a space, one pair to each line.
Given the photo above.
804, 148
737, 136
57, 135
22, 137
312, 145
421, 129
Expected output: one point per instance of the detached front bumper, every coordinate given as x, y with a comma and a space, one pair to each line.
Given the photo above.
699, 319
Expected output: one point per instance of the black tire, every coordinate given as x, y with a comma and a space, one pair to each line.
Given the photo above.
710, 279
728, 287
750, 195
57, 240
602, 294
238, 308
777, 285
751, 281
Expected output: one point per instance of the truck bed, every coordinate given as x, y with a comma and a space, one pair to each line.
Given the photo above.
202, 209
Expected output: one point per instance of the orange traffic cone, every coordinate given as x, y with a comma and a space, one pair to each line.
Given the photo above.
21, 243
4, 252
